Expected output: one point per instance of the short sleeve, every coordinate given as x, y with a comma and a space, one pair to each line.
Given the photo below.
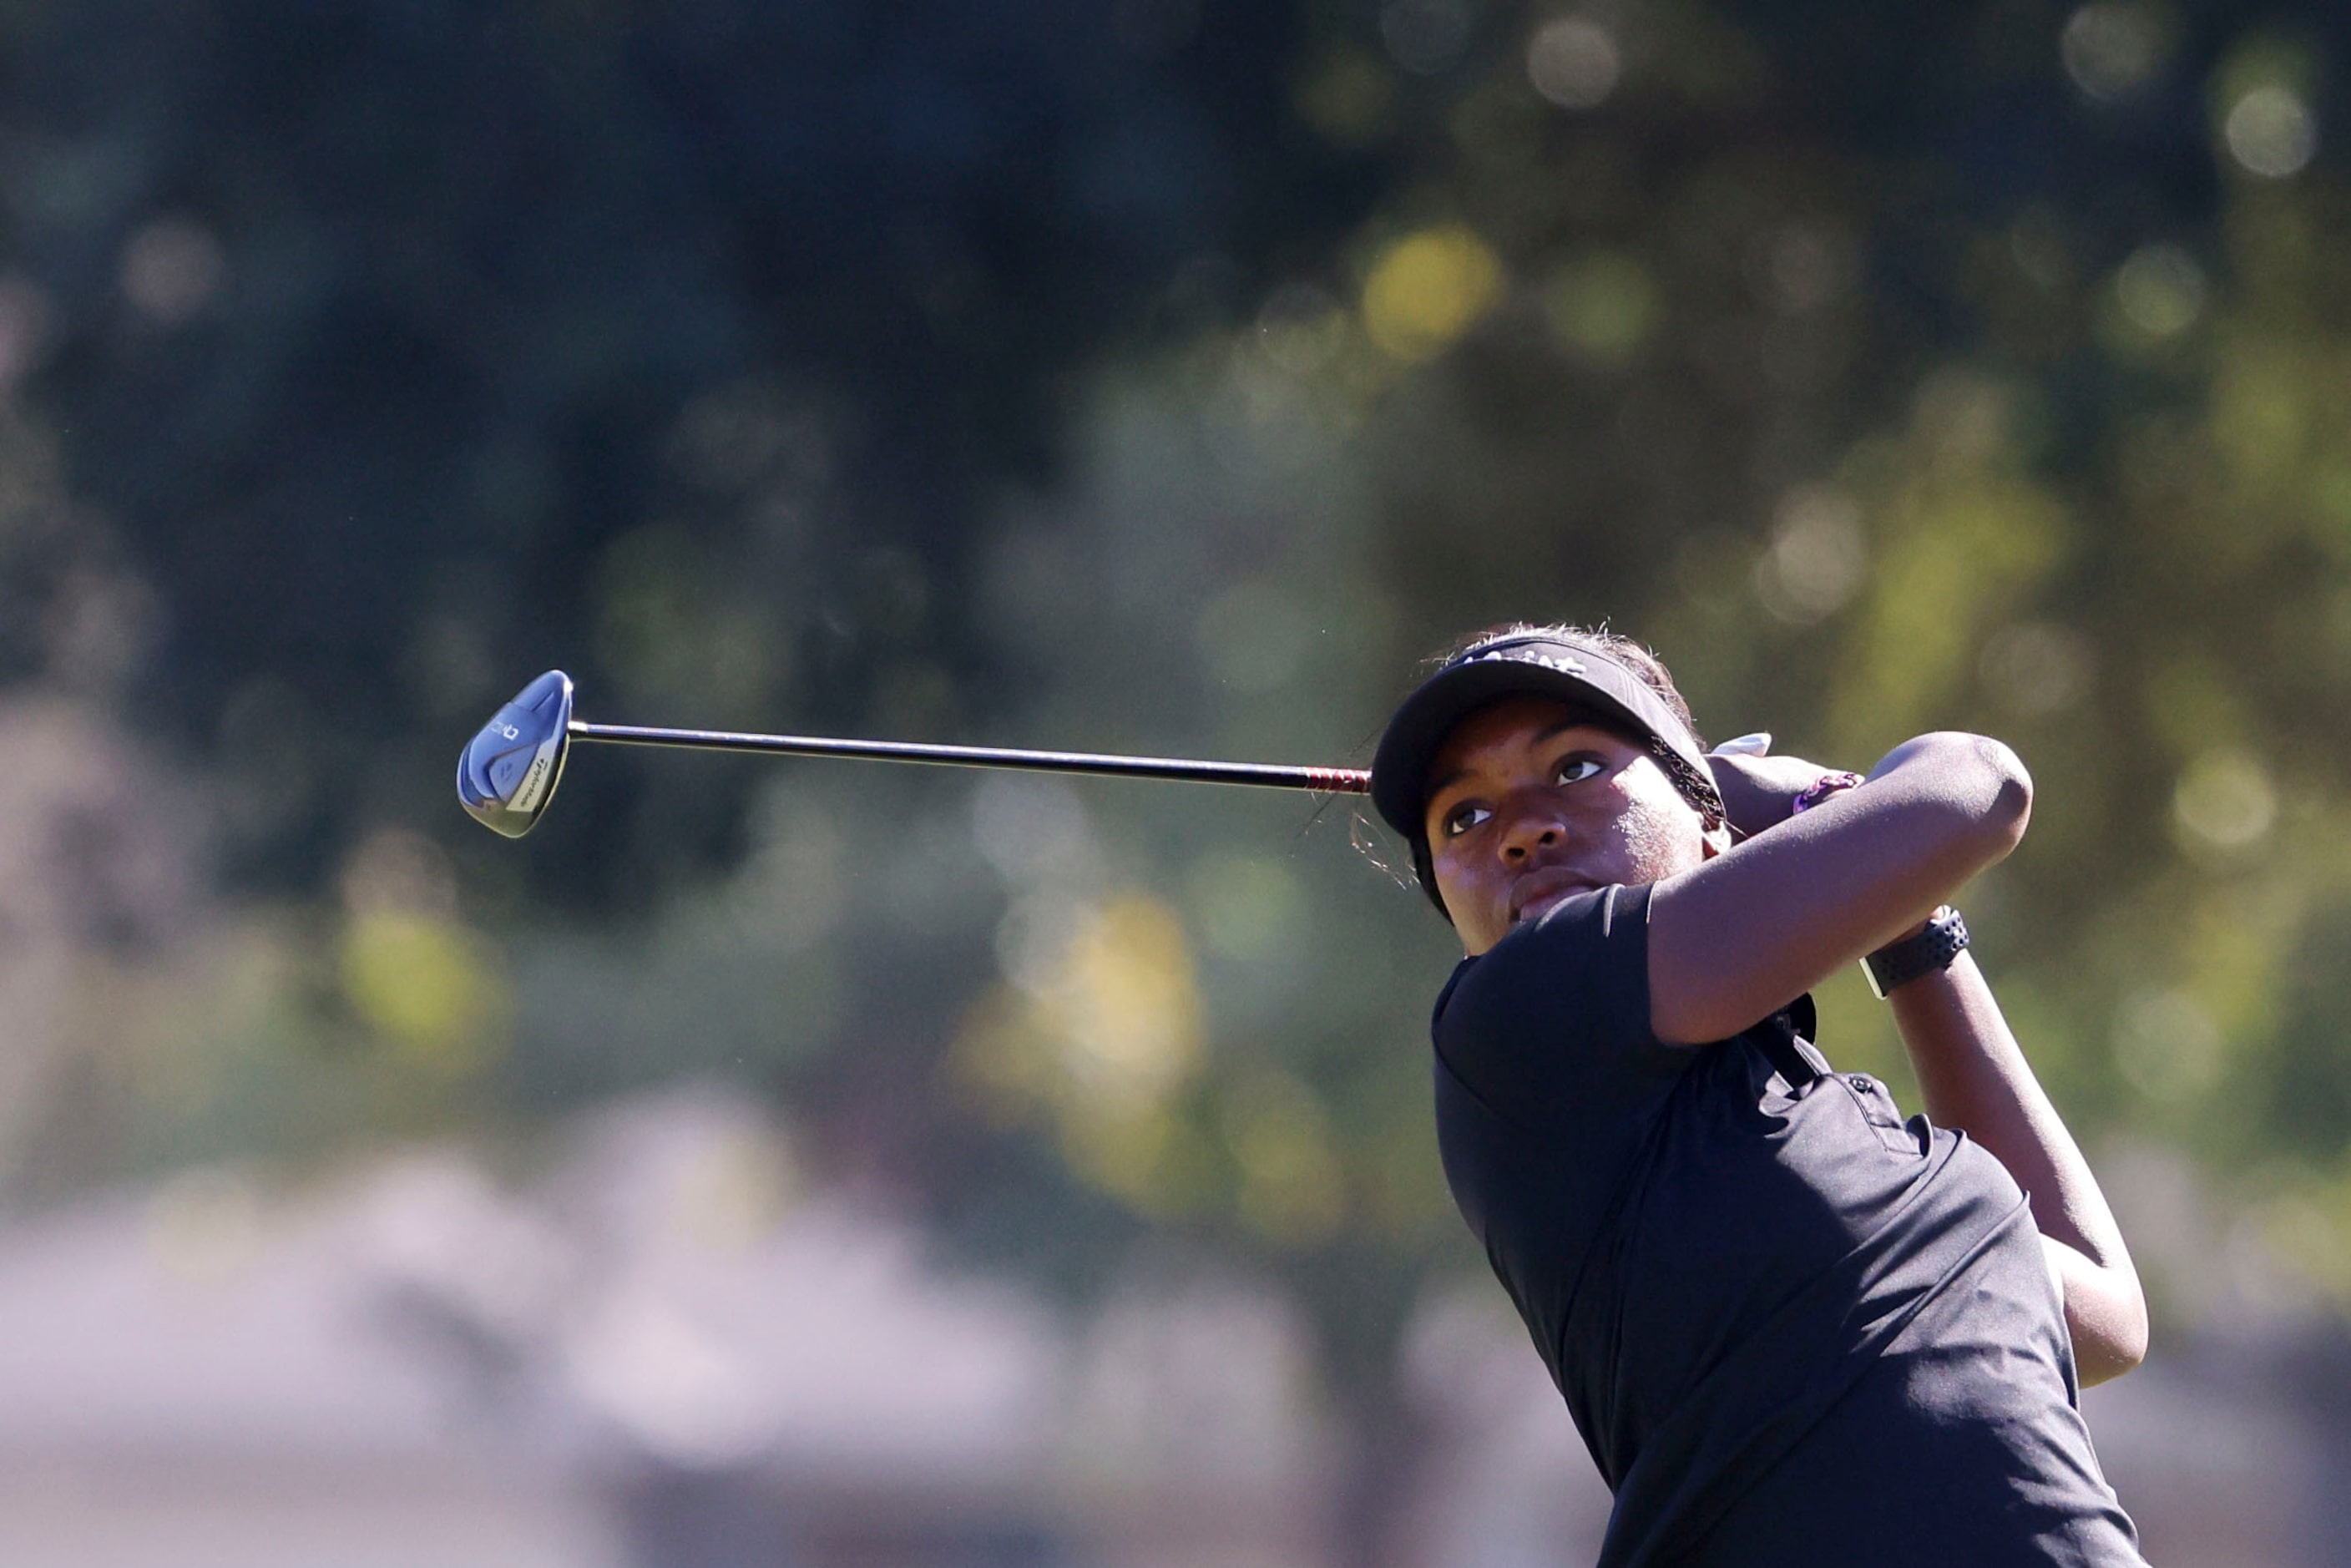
1554, 1021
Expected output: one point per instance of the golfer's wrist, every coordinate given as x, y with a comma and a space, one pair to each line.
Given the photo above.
1927, 951
1828, 786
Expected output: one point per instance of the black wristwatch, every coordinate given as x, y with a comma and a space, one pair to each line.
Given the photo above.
1898, 963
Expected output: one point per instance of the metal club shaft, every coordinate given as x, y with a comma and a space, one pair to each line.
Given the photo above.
1326, 781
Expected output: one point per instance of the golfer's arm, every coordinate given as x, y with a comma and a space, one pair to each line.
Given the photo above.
1973, 1076
1758, 925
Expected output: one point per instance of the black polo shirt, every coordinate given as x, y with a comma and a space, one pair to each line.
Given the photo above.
1792, 1328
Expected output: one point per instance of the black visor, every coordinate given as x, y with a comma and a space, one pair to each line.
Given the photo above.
1527, 665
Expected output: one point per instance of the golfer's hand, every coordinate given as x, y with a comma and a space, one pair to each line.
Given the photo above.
1759, 793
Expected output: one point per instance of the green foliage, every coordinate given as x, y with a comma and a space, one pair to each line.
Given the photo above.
1168, 378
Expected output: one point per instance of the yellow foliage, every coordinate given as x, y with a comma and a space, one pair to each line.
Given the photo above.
1293, 1188
2191, 704
1126, 1007
1961, 551
2308, 1234
2261, 413
424, 986
2233, 960
1100, 1046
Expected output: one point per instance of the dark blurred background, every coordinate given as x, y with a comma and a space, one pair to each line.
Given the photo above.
820, 1164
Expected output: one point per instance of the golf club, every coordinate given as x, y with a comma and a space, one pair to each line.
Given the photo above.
507, 773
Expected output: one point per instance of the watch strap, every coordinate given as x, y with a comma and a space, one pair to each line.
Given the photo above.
1925, 953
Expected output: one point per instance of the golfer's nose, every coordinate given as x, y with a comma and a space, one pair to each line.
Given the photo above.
1527, 827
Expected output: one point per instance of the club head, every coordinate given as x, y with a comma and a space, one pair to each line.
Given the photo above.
507, 773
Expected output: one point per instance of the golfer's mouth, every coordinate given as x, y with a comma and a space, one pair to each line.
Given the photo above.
1539, 891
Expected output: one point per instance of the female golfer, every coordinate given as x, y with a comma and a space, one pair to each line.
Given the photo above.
1795, 1330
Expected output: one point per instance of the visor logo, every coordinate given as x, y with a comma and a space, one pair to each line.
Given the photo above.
1520, 653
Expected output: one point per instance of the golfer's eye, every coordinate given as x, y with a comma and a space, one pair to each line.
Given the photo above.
1461, 818
1576, 769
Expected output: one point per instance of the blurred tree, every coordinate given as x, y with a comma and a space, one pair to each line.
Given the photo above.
1168, 374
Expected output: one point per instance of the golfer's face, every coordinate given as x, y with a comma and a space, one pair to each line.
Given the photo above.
1530, 804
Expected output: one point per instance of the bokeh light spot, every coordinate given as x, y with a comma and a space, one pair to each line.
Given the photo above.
1099, 1033
2271, 132
1604, 306
1428, 289
2160, 291
2112, 49
1128, 1003
1574, 63
399, 871
1034, 831
1798, 268
2224, 801
1817, 557
422, 984
2036, 667
171, 269
1300, 327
